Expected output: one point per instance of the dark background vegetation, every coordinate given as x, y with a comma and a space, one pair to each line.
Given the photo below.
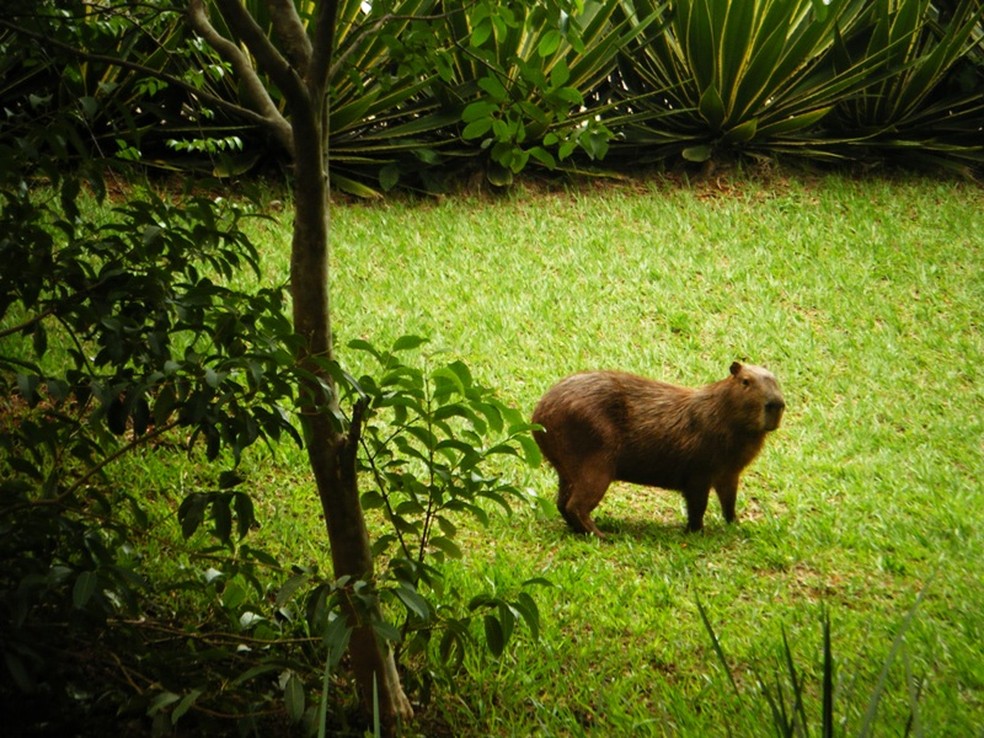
421, 90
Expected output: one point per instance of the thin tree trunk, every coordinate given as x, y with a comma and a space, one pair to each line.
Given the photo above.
332, 452
298, 62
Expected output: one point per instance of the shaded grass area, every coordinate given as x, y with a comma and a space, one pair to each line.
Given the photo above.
863, 296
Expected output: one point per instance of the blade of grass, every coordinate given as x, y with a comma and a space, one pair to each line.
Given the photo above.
868, 722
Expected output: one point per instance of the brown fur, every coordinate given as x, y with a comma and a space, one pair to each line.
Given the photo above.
599, 427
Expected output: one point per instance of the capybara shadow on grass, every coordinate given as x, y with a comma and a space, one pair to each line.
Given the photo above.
600, 427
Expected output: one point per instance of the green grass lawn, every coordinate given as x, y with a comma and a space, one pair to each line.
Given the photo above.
863, 296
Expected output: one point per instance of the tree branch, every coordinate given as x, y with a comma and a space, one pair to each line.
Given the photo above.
254, 91
291, 33
324, 42
268, 58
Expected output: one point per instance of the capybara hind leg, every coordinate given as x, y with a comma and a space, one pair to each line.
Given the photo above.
563, 497
696, 506
727, 492
586, 493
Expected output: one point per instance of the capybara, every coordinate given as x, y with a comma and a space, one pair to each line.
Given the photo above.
599, 427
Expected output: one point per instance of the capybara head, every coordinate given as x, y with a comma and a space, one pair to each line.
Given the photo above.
756, 398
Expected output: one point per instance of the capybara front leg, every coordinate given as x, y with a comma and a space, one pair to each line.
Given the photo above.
696, 506
727, 492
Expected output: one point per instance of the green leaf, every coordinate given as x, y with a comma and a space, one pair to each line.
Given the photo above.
294, 698
743, 132
870, 714
494, 88
162, 701
229, 479
389, 176
40, 340
507, 619
290, 587
571, 95
259, 670
407, 343
222, 517
519, 159
477, 128
213, 379
449, 378
717, 647
560, 74
386, 631
531, 451
372, 500
233, 596
414, 603
478, 110
447, 546
191, 513
527, 608
549, 43
186, 703
336, 639
795, 122
27, 386
499, 176
447, 527
543, 156
481, 33
116, 416
711, 107
152, 235
245, 514
85, 587
452, 648
21, 676
699, 153
494, 636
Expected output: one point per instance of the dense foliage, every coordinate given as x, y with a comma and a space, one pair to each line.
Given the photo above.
421, 89
130, 335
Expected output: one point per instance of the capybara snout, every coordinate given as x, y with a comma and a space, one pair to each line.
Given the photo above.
760, 390
599, 427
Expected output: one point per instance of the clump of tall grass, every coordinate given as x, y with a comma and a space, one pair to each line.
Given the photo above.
787, 692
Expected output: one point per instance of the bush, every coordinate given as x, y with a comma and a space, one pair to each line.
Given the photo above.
420, 91
123, 334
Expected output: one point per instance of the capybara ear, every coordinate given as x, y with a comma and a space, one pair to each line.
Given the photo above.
735, 368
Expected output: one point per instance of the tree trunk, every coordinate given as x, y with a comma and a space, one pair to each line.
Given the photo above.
331, 451
297, 60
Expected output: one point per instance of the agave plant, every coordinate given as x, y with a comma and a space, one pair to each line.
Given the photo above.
751, 75
388, 120
923, 110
